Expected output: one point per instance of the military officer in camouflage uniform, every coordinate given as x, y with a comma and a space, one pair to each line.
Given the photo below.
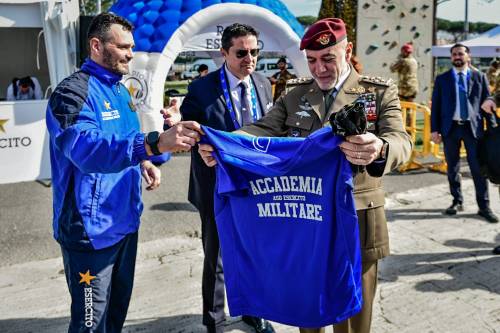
307, 107
279, 79
406, 66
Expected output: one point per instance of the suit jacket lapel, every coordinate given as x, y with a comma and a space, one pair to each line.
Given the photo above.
472, 80
345, 95
452, 88
222, 101
260, 92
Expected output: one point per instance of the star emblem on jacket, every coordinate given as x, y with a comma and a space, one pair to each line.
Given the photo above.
86, 277
107, 105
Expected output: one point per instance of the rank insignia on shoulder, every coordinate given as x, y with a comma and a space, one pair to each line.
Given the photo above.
298, 81
132, 106
376, 80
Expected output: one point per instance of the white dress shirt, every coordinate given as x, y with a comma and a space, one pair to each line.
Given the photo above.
235, 91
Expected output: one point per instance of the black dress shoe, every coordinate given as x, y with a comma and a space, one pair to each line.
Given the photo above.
260, 325
452, 210
496, 250
488, 215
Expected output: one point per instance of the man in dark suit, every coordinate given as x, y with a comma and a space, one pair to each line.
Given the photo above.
225, 99
456, 116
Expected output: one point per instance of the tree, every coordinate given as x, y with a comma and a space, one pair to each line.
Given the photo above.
456, 28
306, 20
344, 9
89, 7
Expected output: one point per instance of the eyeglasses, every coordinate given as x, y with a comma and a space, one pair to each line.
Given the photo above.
243, 53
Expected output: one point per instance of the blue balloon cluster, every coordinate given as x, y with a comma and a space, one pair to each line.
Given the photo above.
156, 20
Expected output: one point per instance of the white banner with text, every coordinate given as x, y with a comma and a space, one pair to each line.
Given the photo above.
24, 142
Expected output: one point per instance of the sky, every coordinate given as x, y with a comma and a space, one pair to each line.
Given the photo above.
453, 10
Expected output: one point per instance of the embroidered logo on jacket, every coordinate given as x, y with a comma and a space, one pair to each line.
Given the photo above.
111, 114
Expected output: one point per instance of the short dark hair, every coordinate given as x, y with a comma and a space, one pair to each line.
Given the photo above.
281, 59
202, 68
100, 25
460, 45
27, 82
236, 30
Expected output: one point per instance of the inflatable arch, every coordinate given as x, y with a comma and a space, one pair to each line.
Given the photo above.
165, 28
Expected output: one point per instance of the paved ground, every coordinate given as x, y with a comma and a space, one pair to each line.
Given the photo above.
440, 278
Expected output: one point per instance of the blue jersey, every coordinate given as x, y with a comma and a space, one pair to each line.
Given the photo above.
287, 227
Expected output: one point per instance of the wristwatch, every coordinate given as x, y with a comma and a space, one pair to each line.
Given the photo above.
384, 150
152, 139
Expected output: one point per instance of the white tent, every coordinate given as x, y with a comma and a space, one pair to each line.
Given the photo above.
58, 19
23, 134
486, 45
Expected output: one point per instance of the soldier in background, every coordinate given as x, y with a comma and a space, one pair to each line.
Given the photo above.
492, 74
280, 78
406, 66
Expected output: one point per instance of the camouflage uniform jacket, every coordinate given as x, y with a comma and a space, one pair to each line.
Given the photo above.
280, 85
407, 76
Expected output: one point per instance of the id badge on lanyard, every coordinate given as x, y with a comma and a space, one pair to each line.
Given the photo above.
229, 102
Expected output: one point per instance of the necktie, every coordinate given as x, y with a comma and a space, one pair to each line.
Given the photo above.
246, 111
462, 96
329, 98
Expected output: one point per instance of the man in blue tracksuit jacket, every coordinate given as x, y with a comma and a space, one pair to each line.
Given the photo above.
97, 157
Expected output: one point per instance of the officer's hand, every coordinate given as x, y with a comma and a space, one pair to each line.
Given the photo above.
489, 106
151, 174
180, 137
436, 137
362, 149
205, 152
172, 114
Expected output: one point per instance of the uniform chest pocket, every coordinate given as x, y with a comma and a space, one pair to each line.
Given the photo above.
299, 126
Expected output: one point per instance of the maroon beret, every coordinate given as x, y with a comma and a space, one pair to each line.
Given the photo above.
323, 33
408, 48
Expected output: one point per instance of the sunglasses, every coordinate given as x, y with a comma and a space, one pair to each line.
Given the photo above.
243, 53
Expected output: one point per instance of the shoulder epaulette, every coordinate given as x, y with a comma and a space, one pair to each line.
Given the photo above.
298, 81
376, 80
